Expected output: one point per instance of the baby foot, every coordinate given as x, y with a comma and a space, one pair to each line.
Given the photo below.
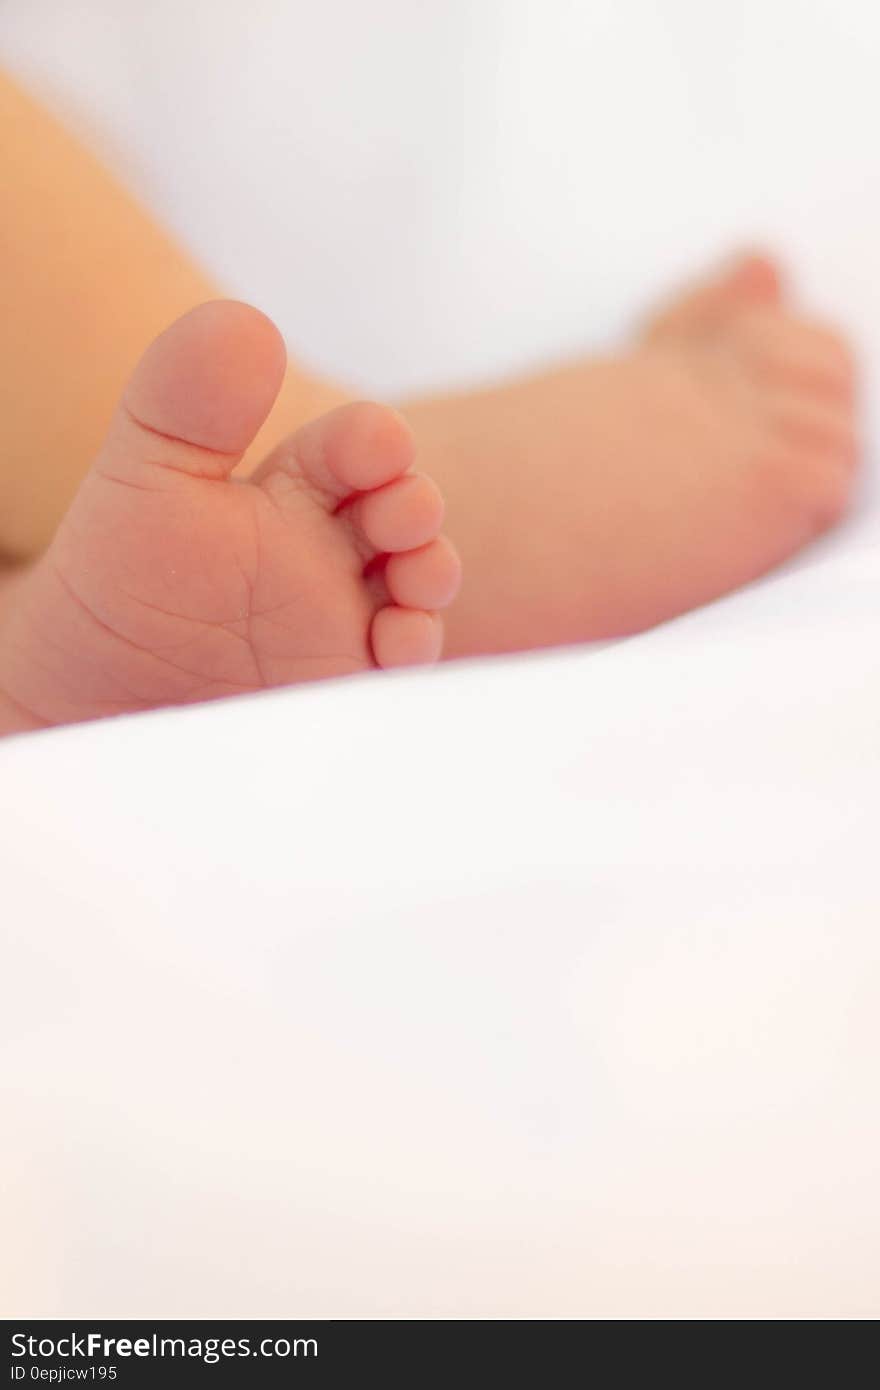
639, 486
763, 399
169, 582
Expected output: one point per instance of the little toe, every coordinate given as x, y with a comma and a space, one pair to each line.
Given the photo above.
352, 449
402, 515
424, 578
406, 637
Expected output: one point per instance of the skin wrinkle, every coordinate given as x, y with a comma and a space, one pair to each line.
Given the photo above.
251, 616
159, 653
177, 441
112, 677
185, 618
133, 646
229, 688
65, 654
23, 709
250, 592
289, 477
293, 484
126, 482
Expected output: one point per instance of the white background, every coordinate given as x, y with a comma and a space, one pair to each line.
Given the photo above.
423, 192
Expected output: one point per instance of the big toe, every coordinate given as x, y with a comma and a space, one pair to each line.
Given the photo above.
751, 279
202, 390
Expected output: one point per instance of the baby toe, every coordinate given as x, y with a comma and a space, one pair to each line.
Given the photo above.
823, 358
400, 516
789, 349
372, 445
754, 276
350, 450
406, 637
424, 578
815, 424
812, 481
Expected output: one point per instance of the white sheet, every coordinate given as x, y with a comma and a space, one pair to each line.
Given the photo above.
536, 987
529, 988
